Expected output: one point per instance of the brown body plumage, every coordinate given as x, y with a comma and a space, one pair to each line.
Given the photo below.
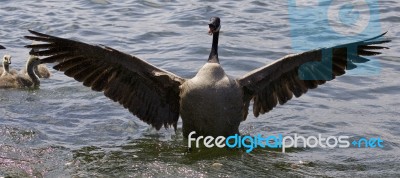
10, 80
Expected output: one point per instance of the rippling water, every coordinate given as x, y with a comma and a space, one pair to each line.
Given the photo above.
64, 129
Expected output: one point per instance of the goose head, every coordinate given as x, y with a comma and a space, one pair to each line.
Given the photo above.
214, 25
6, 60
6, 64
33, 61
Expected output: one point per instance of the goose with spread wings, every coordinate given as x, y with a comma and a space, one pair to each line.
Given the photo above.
211, 103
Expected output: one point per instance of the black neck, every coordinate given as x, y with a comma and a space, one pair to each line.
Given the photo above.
213, 58
31, 73
6, 67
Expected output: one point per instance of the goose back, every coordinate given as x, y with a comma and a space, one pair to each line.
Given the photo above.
42, 71
9, 81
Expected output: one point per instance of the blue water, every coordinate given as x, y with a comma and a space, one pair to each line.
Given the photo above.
66, 130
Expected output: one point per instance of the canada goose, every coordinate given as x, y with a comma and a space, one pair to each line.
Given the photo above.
20, 81
6, 66
211, 103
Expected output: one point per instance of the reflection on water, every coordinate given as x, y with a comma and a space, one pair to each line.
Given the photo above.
65, 129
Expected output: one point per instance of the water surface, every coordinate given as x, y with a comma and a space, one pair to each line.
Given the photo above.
65, 129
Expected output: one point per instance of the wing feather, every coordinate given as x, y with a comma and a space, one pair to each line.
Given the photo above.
296, 74
150, 93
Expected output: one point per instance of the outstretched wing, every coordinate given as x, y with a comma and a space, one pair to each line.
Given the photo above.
295, 74
150, 93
